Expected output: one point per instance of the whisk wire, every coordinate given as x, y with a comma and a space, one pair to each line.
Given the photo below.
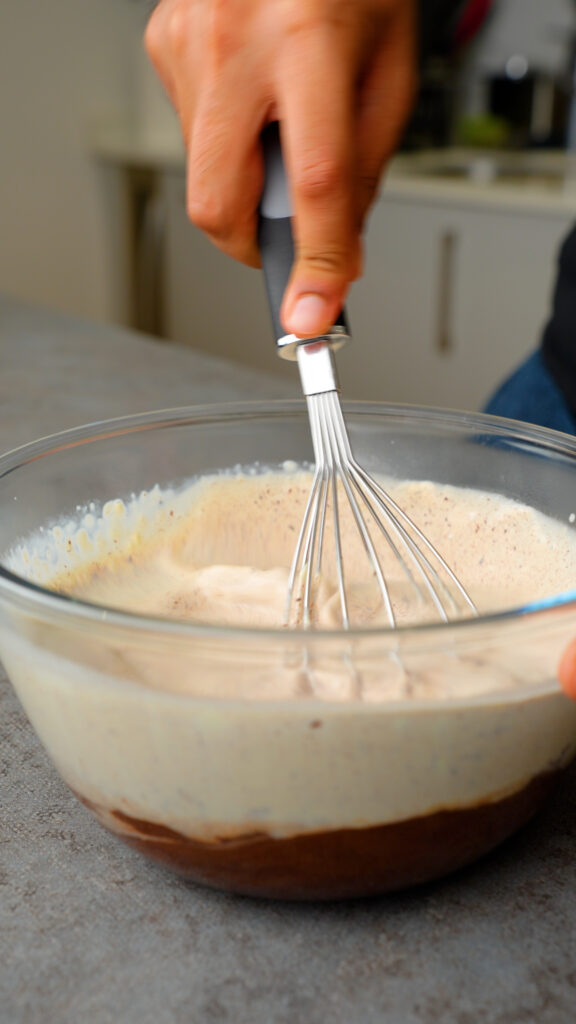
330, 408
418, 561
338, 474
372, 492
322, 462
302, 544
365, 487
397, 515
333, 469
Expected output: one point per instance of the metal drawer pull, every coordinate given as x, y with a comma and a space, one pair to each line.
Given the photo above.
444, 336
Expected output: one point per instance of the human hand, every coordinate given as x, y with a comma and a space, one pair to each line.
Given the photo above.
567, 670
338, 75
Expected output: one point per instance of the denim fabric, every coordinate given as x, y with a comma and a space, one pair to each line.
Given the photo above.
531, 394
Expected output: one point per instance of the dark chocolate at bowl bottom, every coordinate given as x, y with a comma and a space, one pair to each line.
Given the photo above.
341, 864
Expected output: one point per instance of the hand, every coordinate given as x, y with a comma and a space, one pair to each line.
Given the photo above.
567, 670
339, 75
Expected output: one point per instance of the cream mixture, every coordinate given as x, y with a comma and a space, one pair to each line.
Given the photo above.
216, 735
218, 551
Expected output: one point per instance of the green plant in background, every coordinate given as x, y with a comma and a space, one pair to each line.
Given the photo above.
483, 131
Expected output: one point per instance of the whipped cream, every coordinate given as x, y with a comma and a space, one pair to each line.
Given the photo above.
219, 550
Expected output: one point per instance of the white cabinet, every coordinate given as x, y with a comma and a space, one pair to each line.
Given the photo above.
454, 296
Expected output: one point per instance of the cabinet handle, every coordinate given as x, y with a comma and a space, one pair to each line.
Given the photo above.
444, 336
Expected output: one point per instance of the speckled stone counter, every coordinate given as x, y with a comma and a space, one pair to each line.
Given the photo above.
92, 934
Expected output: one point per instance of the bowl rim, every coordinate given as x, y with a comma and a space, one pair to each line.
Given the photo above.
58, 607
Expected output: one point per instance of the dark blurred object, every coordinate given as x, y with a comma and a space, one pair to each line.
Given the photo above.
471, 21
431, 123
534, 105
437, 21
447, 27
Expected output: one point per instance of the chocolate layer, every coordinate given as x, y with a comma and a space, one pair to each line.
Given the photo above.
340, 864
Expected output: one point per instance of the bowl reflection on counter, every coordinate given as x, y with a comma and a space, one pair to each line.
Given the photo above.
296, 798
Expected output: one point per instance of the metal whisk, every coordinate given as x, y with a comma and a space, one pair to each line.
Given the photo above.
339, 481
433, 581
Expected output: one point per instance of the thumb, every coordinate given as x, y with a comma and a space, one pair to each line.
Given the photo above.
318, 285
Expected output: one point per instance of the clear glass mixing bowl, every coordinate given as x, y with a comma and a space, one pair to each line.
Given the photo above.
297, 798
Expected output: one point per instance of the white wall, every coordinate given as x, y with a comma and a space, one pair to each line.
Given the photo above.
64, 66
540, 30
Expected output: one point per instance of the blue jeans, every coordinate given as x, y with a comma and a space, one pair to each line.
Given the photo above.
531, 394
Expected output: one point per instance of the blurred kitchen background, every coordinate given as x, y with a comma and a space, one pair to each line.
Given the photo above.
462, 245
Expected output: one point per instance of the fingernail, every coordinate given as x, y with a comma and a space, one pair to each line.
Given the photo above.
309, 315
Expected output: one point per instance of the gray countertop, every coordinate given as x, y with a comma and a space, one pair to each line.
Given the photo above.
92, 934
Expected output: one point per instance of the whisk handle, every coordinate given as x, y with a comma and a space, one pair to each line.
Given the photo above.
277, 244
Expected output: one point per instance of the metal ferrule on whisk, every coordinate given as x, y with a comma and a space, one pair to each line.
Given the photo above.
317, 368
289, 344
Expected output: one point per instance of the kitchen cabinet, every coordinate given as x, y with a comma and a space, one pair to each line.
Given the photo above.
454, 296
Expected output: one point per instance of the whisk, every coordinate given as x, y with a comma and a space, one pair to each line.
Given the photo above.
338, 477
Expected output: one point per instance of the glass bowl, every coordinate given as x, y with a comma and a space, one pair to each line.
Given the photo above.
298, 798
